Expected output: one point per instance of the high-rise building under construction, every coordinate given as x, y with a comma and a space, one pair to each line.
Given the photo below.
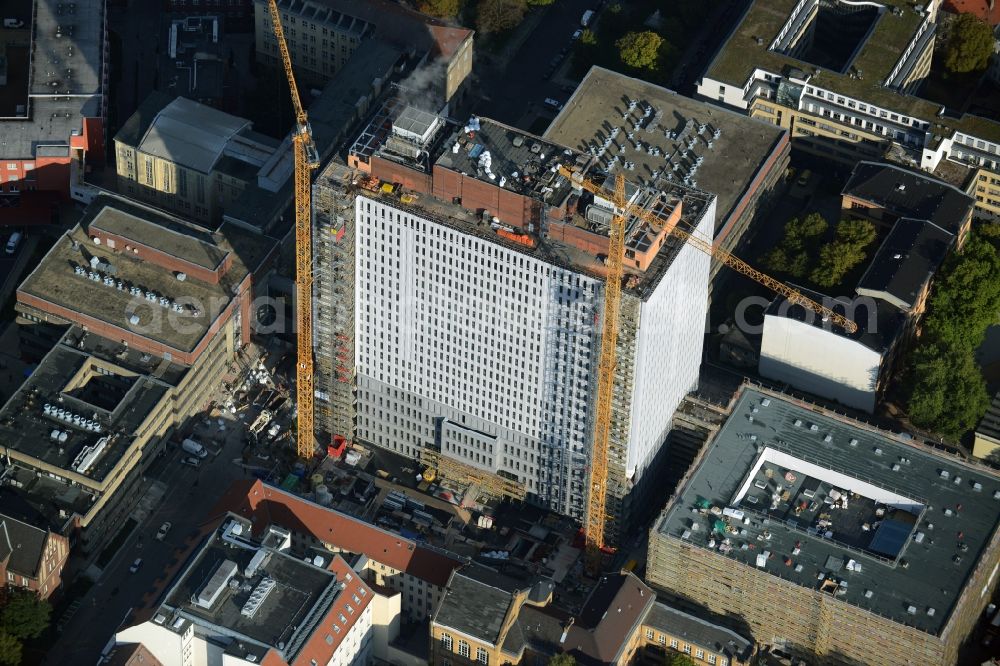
459, 296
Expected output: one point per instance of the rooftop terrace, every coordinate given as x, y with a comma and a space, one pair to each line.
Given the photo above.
665, 137
833, 505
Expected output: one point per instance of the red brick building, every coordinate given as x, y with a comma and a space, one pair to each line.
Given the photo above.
395, 562
31, 558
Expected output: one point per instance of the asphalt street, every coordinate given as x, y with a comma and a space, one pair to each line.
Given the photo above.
190, 492
508, 97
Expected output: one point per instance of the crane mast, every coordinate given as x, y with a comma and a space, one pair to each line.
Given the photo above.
596, 516
306, 159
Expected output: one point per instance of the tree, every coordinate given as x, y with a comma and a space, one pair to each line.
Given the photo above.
792, 254
589, 38
949, 393
441, 8
966, 297
677, 659
640, 49
499, 15
562, 659
540, 3
969, 45
10, 650
947, 390
846, 252
23, 614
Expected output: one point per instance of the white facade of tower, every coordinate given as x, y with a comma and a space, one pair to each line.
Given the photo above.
490, 353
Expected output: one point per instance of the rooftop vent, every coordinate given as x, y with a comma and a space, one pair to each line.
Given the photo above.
257, 597
912, 610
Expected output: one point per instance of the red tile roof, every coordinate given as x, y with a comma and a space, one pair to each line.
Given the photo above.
268, 505
988, 10
317, 650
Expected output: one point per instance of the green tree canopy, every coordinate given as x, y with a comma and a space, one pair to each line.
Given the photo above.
442, 8
791, 256
499, 15
844, 253
23, 614
947, 390
966, 297
969, 45
588, 37
949, 393
640, 49
10, 650
562, 659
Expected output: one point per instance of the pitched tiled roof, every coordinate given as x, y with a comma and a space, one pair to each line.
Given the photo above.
269, 505
23, 544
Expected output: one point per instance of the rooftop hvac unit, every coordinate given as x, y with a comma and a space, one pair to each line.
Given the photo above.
63, 436
54, 435
257, 597
215, 585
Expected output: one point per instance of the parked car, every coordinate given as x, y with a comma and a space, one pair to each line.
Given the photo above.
135, 565
191, 460
13, 242
577, 33
162, 532
553, 104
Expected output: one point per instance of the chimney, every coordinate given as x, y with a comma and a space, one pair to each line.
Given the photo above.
562, 639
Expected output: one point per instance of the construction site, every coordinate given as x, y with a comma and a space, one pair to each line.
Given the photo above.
498, 199
832, 538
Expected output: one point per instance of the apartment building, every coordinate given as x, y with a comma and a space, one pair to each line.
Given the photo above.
921, 220
194, 160
418, 572
672, 138
55, 69
834, 541
488, 617
134, 316
844, 79
460, 313
322, 35
31, 558
242, 599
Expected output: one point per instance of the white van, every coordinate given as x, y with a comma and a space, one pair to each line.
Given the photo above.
13, 23
13, 242
194, 448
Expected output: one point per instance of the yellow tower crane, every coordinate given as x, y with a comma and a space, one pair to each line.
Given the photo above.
596, 516
306, 159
